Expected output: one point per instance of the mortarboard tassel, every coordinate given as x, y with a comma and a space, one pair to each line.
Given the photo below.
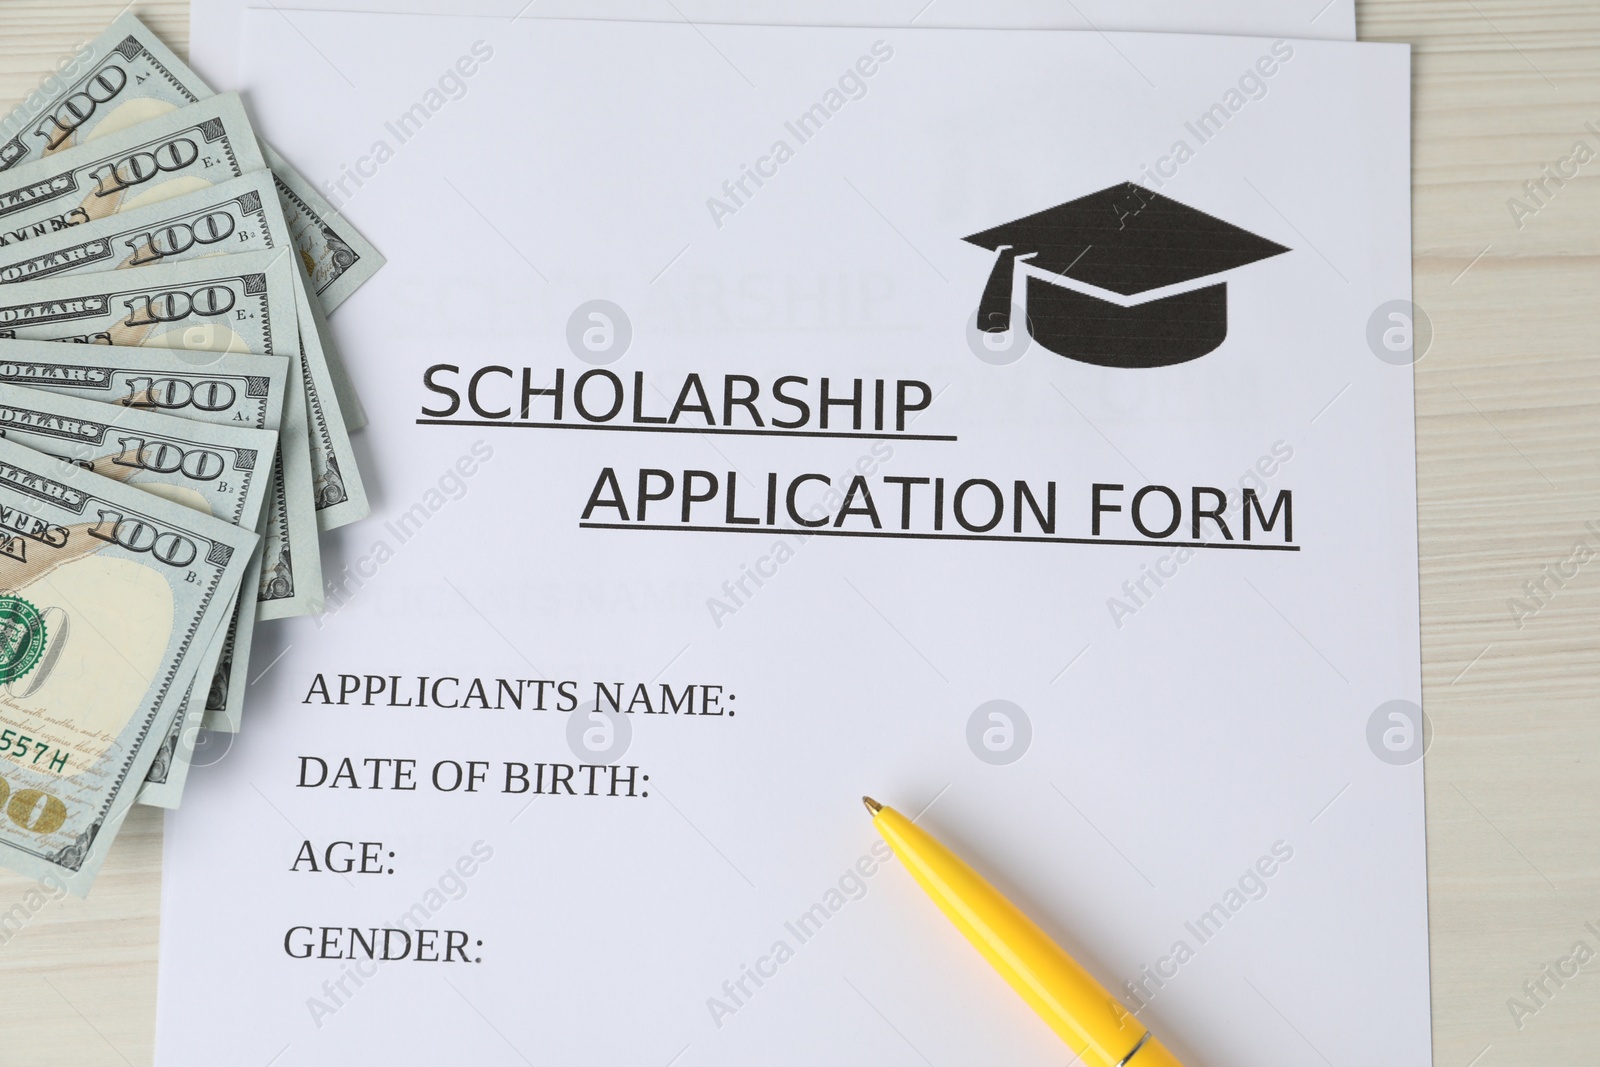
994, 310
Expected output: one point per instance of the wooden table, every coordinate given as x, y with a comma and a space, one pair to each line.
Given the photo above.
1508, 450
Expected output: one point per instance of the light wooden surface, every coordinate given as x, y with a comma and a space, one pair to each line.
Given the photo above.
1508, 443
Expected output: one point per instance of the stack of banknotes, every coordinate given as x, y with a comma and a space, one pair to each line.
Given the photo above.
164, 473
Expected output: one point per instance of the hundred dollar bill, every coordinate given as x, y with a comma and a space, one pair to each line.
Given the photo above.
291, 558
230, 390
238, 389
338, 259
110, 596
238, 215
131, 77
242, 303
340, 495
216, 469
242, 215
178, 153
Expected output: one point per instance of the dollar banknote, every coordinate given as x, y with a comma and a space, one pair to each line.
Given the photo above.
110, 597
177, 153
237, 216
226, 389
325, 258
131, 77
216, 469
291, 558
240, 389
338, 259
339, 494
242, 303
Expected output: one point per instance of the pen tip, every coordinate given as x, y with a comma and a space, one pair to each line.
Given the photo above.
872, 805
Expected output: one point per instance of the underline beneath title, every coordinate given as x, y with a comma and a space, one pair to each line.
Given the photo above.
740, 431
913, 536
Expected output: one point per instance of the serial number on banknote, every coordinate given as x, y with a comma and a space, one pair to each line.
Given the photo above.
16, 746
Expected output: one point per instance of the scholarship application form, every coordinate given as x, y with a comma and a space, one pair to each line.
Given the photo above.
1016, 426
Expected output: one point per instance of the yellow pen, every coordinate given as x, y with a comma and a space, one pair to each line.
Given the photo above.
1092, 1022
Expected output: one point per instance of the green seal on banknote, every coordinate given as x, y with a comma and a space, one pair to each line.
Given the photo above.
22, 637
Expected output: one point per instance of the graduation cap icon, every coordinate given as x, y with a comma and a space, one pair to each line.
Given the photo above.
1120, 278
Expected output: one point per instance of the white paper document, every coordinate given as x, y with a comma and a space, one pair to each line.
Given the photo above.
1016, 427
215, 26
